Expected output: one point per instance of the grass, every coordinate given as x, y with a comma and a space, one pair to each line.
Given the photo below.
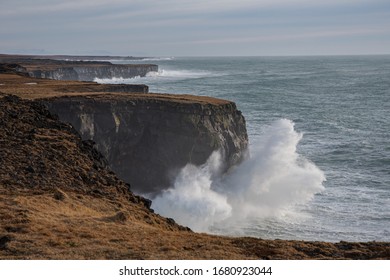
57, 201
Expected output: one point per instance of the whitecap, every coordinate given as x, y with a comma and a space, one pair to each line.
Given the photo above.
161, 75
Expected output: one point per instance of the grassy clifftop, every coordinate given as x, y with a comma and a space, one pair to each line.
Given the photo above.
59, 200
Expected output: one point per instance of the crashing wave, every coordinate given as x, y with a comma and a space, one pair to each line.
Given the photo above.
273, 180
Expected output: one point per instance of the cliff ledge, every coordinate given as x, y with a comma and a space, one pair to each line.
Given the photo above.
148, 138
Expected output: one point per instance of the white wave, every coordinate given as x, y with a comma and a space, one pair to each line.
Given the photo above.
276, 176
272, 181
161, 75
116, 80
191, 201
180, 74
157, 58
143, 59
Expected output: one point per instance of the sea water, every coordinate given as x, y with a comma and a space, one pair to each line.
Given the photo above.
319, 132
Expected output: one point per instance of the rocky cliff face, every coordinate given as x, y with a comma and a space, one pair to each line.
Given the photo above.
22, 84
73, 68
50, 155
90, 72
147, 139
58, 200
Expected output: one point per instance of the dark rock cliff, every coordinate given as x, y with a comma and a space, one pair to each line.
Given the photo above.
12, 68
58, 200
148, 139
40, 153
90, 72
75, 70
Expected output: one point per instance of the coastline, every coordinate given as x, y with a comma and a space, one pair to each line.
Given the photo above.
116, 229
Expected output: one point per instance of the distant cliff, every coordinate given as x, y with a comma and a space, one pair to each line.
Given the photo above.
90, 72
16, 79
68, 70
148, 138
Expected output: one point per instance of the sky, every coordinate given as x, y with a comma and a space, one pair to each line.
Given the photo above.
195, 28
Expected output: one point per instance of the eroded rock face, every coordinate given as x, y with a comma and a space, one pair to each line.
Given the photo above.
89, 73
148, 140
72, 70
37, 151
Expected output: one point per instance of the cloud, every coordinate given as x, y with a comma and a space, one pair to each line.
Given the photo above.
122, 25
344, 32
153, 7
39, 7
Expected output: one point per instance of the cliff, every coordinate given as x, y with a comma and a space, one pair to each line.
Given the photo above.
47, 150
147, 139
59, 200
73, 70
87, 72
32, 88
20, 57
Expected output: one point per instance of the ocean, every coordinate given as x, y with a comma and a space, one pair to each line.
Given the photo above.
319, 132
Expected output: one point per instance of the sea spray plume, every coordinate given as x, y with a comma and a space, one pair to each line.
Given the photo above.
274, 179
192, 201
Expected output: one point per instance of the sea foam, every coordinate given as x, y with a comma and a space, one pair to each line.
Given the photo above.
273, 180
161, 75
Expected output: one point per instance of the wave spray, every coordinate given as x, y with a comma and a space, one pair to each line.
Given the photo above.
273, 180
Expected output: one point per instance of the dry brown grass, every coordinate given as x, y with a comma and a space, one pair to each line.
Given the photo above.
59, 201
85, 227
32, 88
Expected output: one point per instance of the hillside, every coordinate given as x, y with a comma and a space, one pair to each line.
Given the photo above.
59, 200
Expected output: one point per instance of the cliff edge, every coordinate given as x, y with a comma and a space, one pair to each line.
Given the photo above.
147, 139
59, 200
73, 69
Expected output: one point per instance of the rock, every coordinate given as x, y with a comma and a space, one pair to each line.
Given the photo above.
3, 242
91, 72
147, 203
9, 68
119, 217
30, 169
147, 139
71, 69
59, 195
57, 159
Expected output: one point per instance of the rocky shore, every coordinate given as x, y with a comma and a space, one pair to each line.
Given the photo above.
61, 199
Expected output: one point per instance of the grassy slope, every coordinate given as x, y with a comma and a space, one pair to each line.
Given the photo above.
58, 200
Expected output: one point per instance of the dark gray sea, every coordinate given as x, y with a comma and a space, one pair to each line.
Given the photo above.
319, 130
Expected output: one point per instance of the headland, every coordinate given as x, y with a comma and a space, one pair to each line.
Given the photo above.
64, 191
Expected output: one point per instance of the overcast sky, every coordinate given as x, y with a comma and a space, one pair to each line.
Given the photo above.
195, 28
